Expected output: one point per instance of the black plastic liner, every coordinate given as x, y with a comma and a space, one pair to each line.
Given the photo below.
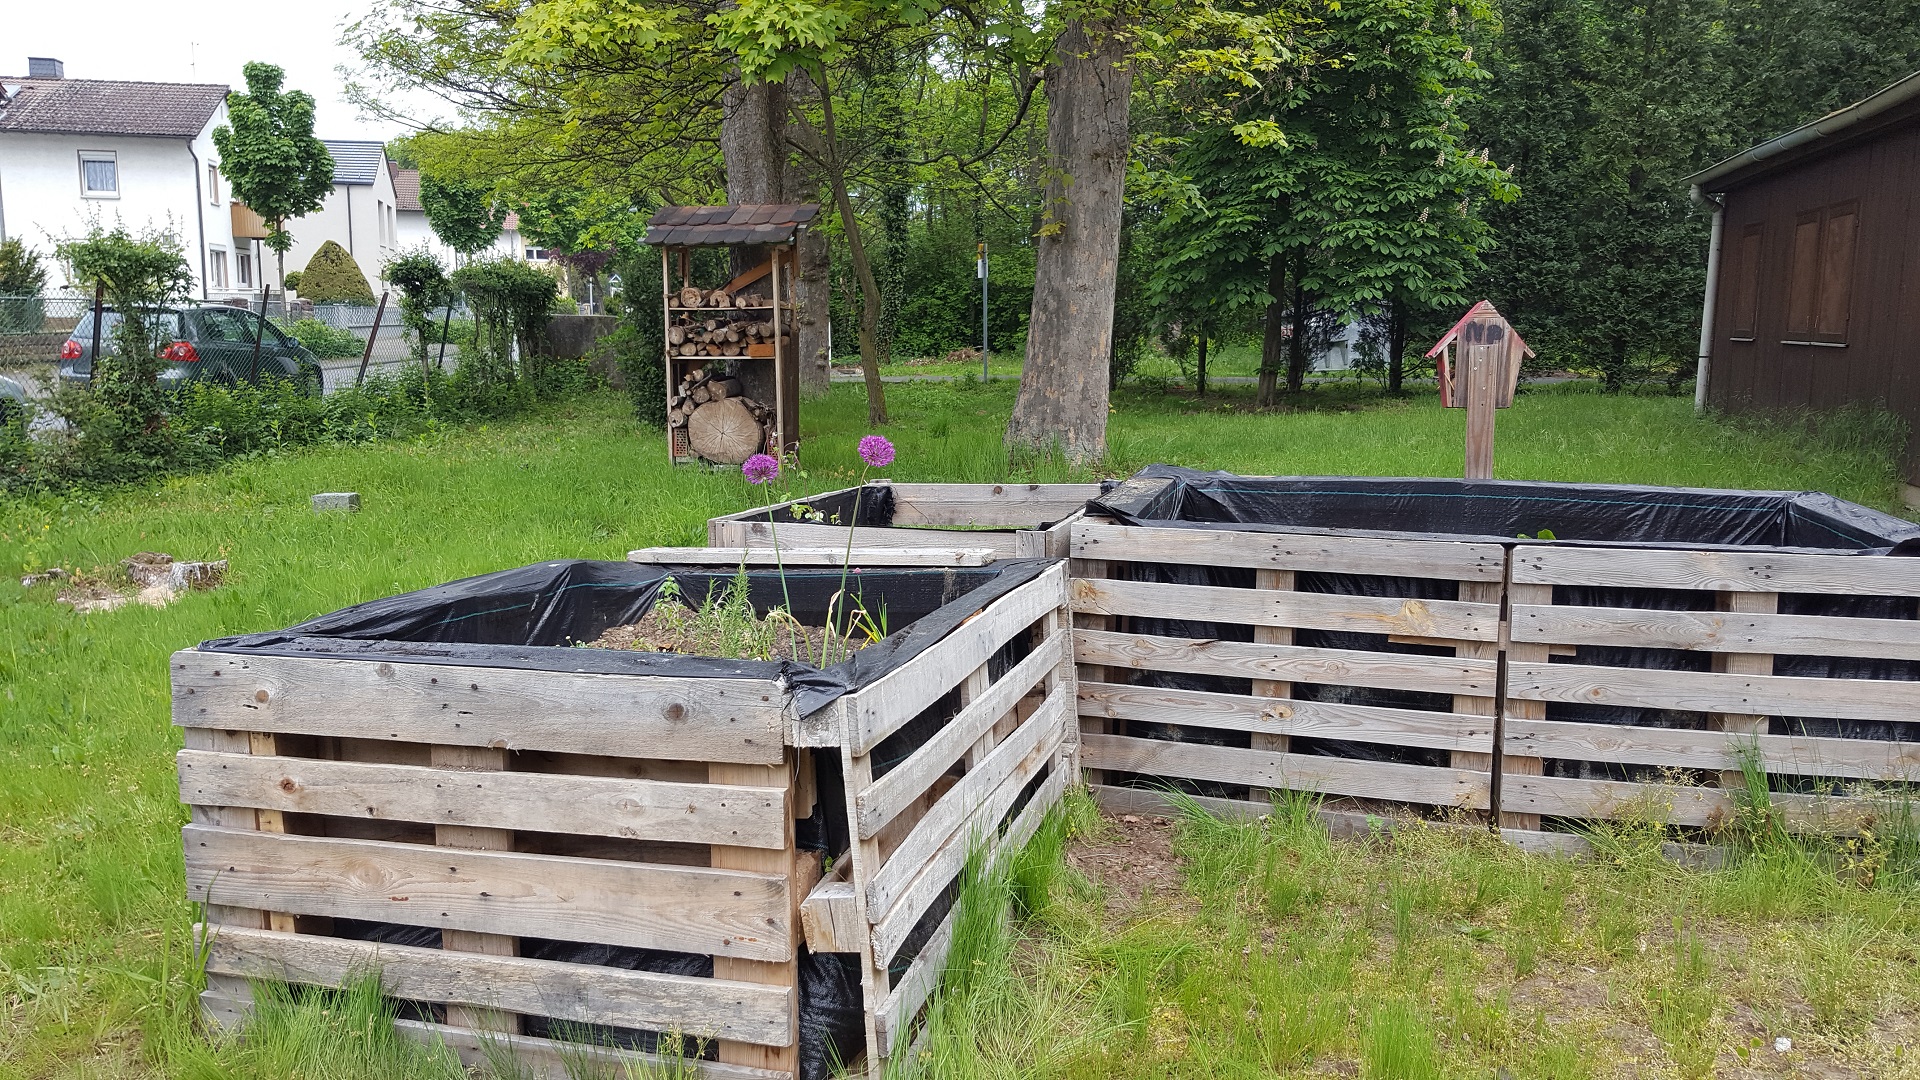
534, 618
1500, 512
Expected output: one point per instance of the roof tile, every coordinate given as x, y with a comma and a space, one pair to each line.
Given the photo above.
108, 107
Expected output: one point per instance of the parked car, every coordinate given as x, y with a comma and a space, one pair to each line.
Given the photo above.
209, 343
13, 398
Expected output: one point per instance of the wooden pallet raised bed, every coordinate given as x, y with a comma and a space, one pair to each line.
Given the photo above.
1025, 521
492, 820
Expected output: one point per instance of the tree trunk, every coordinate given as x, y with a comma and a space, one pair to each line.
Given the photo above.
1396, 346
1297, 345
1063, 389
1200, 376
870, 355
812, 285
1273, 342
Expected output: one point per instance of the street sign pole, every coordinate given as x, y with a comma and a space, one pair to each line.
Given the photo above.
980, 267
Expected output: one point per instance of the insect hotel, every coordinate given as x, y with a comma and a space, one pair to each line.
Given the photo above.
733, 387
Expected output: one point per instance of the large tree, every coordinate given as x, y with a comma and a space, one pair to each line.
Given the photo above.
465, 215
271, 159
1064, 388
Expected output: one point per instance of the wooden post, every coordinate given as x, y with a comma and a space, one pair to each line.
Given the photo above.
783, 860
470, 838
1271, 635
372, 335
779, 364
260, 331
1523, 652
666, 348
1749, 603
1480, 592
1484, 370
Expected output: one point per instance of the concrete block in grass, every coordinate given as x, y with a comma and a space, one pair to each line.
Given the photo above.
336, 500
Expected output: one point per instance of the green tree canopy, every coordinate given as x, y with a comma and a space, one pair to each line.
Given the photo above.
464, 215
269, 154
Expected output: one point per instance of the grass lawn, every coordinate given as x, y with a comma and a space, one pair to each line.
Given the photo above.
94, 962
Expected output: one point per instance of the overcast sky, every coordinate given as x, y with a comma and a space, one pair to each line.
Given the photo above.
176, 41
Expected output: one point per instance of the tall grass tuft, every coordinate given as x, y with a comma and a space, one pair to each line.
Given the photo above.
1397, 1045
344, 1034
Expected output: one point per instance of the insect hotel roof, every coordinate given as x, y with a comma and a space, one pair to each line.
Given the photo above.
748, 223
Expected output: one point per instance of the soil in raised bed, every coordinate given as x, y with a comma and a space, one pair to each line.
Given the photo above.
724, 630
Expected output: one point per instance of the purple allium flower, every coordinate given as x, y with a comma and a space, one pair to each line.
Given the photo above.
876, 451
760, 468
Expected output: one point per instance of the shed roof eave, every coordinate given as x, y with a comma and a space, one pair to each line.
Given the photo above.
1751, 162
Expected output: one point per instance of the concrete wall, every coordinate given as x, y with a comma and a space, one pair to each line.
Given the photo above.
162, 183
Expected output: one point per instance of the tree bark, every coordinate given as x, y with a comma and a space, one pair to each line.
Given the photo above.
1273, 342
870, 355
1200, 377
1297, 343
812, 285
1396, 346
1063, 389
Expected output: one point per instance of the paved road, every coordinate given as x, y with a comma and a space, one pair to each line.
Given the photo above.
37, 379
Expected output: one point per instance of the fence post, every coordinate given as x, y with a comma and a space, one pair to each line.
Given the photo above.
444, 325
99, 316
259, 332
372, 335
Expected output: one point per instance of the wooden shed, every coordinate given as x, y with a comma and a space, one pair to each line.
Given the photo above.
1813, 293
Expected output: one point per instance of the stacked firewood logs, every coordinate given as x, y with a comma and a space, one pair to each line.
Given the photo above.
722, 424
717, 337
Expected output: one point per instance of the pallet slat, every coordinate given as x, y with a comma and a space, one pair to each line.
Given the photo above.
741, 720
1710, 691
546, 1059
813, 556
581, 993
1790, 755
1298, 772
543, 802
1291, 551
689, 909
1720, 631
1288, 663
1450, 619
1291, 717
1717, 571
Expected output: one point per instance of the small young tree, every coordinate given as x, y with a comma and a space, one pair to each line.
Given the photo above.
272, 161
333, 277
139, 275
21, 279
466, 217
423, 286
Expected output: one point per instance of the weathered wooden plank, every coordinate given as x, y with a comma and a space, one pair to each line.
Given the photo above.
1449, 619
1678, 804
758, 534
582, 993
912, 989
1711, 691
1717, 571
893, 922
541, 802
1290, 717
830, 916
1788, 755
532, 1058
507, 708
903, 783
645, 905
1518, 652
951, 813
1720, 631
480, 760
546, 1059
814, 556
784, 972
1291, 551
1017, 506
1285, 771
876, 711
1288, 663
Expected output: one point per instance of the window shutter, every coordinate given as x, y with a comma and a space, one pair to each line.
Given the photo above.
1836, 272
1746, 284
1803, 290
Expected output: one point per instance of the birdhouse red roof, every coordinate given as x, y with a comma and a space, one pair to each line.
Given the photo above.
1484, 311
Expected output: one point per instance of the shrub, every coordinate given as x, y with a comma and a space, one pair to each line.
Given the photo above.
332, 277
423, 286
293, 279
326, 342
21, 279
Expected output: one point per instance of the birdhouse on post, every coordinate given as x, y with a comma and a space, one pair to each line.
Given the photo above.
1478, 362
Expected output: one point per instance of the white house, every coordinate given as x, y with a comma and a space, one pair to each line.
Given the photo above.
415, 232
360, 214
78, 151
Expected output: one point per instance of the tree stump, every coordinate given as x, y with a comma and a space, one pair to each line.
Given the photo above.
725, 432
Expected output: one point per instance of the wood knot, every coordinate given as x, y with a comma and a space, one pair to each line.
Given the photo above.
260, 696
676, 712
288, 785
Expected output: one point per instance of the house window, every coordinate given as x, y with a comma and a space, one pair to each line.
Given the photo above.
1820, 291
99, 174
213, 184
243, 268
1744, 310
536, 254
217, 268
